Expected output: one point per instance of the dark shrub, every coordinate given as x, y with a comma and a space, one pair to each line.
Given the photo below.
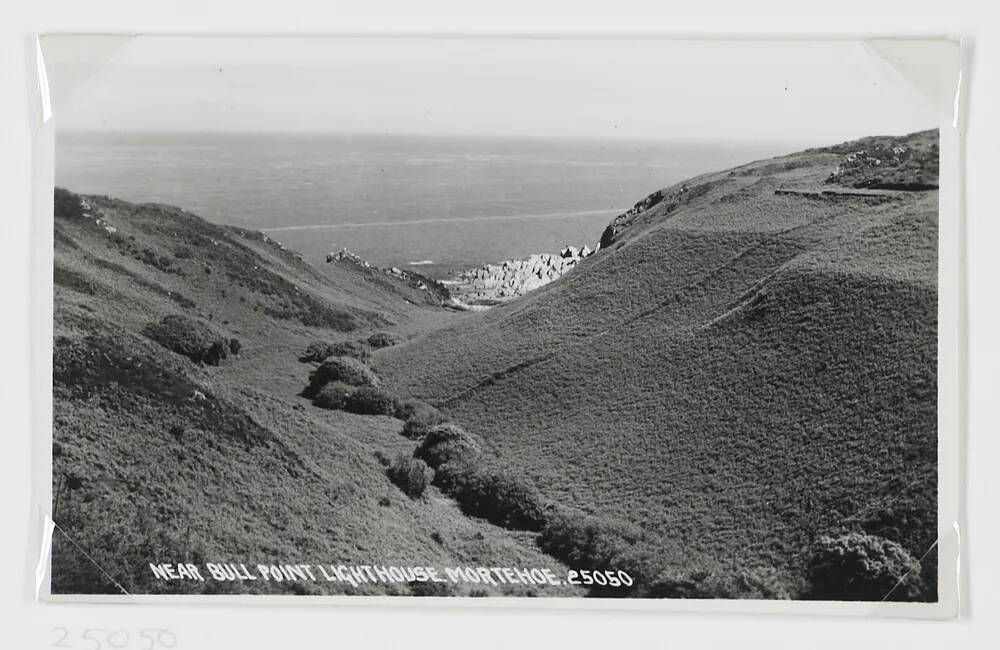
411, 475
857, 566
414, 429
756, 584
369, 400
483, 489
437, 589
150, 257
333, 395
235, 346
67, 204
319, 351
480, 486
218, 351
383, 340
447, 442
78, 282
453, 476
189, 337
587, 542
352, 349
345, 369
419, 417
177, 431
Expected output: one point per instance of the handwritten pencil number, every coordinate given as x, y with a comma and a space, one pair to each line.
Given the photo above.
101, 639
62, 633
158, 639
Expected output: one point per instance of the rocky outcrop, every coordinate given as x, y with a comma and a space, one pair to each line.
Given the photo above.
624, 220
889, 165
435, 290
497, 283
345, 255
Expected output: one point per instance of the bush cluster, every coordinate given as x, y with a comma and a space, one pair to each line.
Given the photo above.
858, 566
67, 204
343, 369
446, 443
333, 395
473, 478
744, 584
384, 340
419, 418
370, 400
411, 475
190, 337
853, 566
315, 351
595, 543
588, 542
319, 351
484, 489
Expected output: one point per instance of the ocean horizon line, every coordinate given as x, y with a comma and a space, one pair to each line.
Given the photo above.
415, 222
779, 145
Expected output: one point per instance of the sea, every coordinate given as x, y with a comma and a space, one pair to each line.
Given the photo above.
432, 204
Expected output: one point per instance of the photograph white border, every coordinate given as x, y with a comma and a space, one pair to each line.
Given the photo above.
951, 396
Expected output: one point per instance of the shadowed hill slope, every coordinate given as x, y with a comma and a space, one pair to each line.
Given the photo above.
738, 370
173, 443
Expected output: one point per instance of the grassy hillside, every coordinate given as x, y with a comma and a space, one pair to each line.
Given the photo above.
738, 371
744, 373
164, 454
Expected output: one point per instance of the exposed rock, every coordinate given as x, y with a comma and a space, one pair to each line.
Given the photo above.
345, 255
497, 283
888, 165
622, 221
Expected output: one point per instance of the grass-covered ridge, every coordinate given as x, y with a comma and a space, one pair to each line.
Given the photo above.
739, 371
172, 443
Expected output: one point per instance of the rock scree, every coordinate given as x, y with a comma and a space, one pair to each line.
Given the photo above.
498, 283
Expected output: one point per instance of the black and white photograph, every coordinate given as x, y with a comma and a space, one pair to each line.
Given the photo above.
501, 318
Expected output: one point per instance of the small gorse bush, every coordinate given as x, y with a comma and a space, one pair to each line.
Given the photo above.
419, 418
411, 475
333, 395
858, 566
343, 369
370, 400
190, 337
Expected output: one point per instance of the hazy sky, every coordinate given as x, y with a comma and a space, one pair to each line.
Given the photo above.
819, 92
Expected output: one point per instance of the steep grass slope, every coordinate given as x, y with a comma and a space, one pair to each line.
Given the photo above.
157, 458
738, 370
